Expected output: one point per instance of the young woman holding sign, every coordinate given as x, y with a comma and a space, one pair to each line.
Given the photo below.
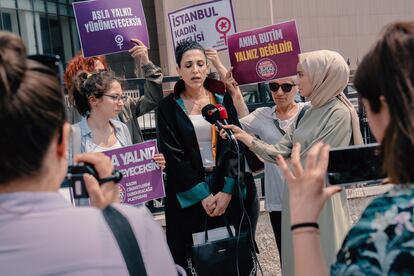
132, 107
99, 98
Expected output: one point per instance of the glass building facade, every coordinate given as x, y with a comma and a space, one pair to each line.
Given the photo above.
49, 27
45, 26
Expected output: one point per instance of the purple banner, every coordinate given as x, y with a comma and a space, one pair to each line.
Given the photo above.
106, 26
142, 177
264, 54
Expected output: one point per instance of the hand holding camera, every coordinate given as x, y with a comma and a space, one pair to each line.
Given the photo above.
97, 168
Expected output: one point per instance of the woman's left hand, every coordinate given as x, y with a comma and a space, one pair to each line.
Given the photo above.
307, 193
160, 160
222, 201
231, 84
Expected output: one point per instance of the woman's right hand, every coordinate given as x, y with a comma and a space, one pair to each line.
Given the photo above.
307, 193
140, 51
100, 195
239, 133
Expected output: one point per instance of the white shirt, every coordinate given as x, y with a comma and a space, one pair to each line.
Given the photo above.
202, 129
261, 122
92, 147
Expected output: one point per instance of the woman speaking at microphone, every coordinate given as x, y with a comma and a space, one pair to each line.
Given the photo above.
202, 170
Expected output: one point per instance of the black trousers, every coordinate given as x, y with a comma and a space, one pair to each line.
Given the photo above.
276, 221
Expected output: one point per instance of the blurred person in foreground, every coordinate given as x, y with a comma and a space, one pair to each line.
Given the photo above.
381, 242
40, 232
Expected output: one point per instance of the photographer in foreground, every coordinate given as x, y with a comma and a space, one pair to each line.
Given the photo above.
381, 242
40, 232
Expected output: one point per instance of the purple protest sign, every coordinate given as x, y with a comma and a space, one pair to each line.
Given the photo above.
265, 53
142, 177
106, 26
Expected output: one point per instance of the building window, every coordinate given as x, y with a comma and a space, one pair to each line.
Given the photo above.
6, 21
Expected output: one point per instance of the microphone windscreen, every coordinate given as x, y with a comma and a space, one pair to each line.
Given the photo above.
210, 113
223, 112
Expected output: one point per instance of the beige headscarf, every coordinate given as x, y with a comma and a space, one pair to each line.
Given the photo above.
329, 74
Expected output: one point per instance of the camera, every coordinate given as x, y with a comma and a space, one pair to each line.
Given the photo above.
74, 178
361, 164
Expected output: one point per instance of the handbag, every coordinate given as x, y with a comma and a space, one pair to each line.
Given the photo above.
225, 257
126, 240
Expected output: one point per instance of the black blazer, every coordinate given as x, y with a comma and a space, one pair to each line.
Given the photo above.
178, 143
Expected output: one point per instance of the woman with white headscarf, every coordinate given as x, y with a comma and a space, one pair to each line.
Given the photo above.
322, 76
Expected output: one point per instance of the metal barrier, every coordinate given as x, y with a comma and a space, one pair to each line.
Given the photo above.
255, 96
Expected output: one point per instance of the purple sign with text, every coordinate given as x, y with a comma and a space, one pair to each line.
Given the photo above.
207, 23
264, 54
106, 26
142, 177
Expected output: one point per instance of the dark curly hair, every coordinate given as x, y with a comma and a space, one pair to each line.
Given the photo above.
80, 63
86, 85
185, 46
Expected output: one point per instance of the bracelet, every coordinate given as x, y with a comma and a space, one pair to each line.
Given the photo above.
304, 231
305, 224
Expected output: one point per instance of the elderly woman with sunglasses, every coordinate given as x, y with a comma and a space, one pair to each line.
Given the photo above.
271, 124
322, 76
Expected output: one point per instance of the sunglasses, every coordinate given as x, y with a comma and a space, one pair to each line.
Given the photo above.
286, 87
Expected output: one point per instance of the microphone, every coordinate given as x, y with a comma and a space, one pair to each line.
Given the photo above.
224, 116
223, 113
212, 115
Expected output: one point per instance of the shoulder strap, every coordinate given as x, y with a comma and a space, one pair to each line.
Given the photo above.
276, 122
76, 139
127, 242
301, 113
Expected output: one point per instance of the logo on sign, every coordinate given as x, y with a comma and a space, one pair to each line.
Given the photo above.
119, 39
266, 69
223, 26
122, 193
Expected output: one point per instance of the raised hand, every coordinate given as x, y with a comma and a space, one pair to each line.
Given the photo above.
139, 52
307, 192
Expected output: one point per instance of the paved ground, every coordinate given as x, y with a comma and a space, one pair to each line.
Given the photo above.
269, 257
